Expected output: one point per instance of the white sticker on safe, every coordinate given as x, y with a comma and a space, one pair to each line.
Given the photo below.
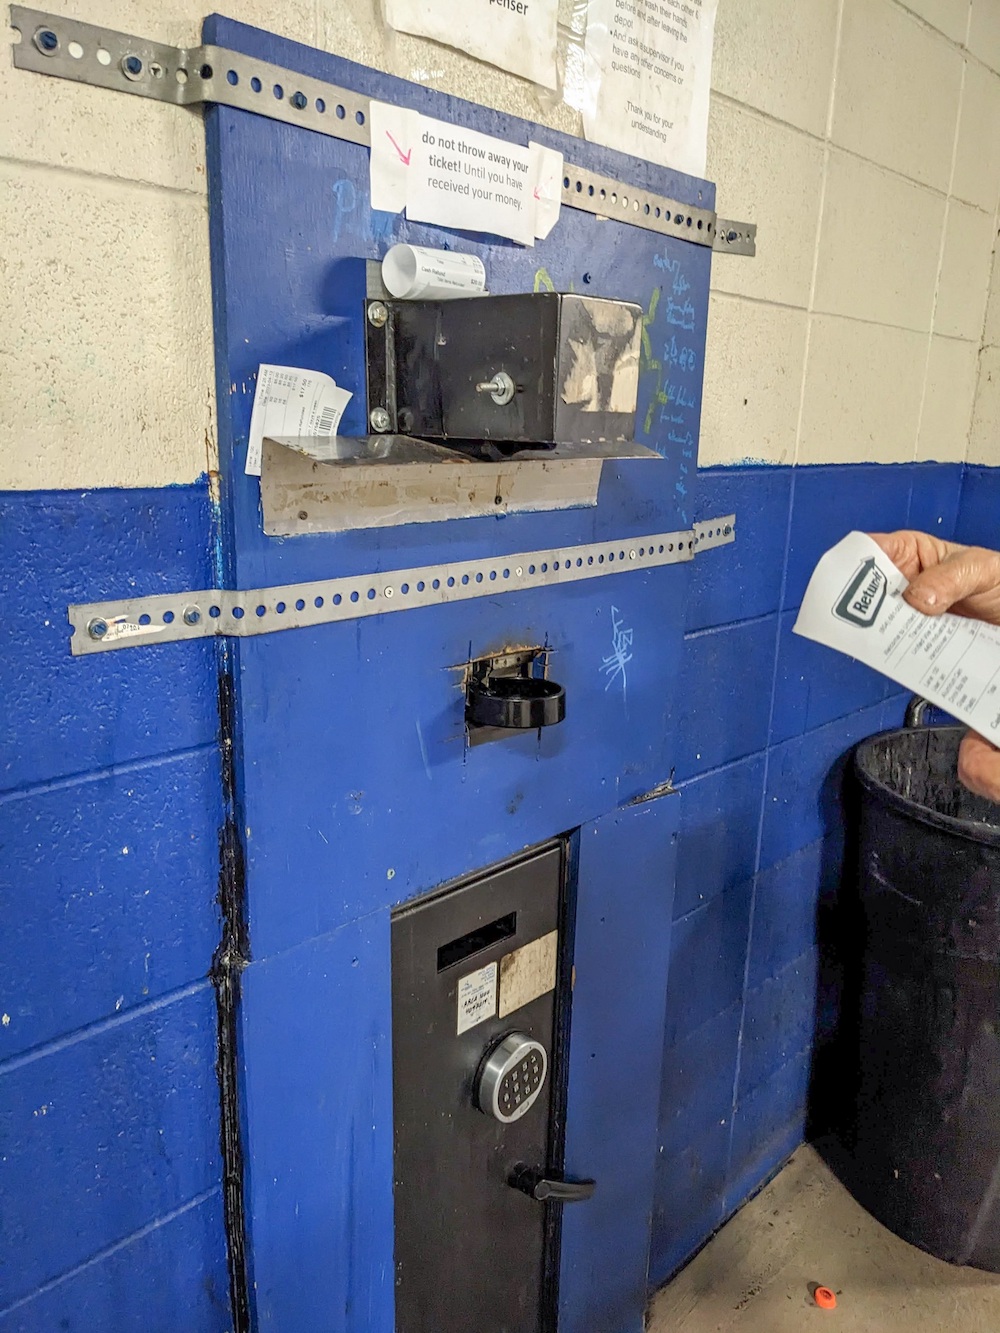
477, 997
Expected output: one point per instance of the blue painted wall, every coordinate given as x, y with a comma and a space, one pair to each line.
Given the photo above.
109, 1178
979, 509
356, 789
766, 723
109, 818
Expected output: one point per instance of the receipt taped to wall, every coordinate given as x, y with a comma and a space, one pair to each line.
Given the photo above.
289, 401
854, 604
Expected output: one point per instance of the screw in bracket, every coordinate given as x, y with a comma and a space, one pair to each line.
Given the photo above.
47, 41
379, 419
378, 314
97, 628
131, 67
501, 388
191, 615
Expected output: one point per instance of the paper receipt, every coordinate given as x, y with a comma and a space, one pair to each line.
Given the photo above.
293, 402
854, 604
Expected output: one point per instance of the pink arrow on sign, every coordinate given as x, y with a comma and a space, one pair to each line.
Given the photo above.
403, 157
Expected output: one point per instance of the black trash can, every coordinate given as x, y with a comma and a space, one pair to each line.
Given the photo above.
924, 1146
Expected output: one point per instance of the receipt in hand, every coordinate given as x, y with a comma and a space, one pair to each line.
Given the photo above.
854, 604
294, 402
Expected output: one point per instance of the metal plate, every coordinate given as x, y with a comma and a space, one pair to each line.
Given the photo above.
69, 49
300, 496
103, 626
735, 238
628, 203
186, 77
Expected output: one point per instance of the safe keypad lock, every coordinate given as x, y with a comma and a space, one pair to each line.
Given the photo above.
511, 1077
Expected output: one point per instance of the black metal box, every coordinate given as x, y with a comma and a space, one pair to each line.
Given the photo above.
475, 1253
537, 368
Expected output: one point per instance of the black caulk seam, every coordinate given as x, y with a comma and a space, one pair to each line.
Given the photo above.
231, 957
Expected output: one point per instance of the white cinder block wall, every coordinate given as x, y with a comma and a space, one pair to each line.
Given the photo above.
861, 135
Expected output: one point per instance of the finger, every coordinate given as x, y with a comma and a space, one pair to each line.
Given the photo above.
901, 548
911, 551
964, 573
979, 766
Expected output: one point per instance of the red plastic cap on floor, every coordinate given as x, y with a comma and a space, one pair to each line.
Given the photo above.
825, 1298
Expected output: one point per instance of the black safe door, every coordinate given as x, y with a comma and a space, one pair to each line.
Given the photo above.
474, 965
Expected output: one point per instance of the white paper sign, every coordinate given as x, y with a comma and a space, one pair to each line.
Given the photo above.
477, 997
462, 179
393, 131
519, 35
471, 181
548, 185
854, 604
650, 66
293, 402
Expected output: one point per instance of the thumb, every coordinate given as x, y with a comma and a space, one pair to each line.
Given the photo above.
958, 576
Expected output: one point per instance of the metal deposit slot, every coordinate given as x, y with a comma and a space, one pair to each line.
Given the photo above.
494, 932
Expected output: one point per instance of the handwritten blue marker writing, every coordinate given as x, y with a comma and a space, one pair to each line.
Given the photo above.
680, 355
614, 664
681, 315
673, 267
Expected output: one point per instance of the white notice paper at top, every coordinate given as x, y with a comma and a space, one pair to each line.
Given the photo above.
649, 68
854, 604
519, 35
293, 402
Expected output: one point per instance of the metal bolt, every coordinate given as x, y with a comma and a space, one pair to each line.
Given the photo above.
378, 313
46, 41
380, 419
500, 388
131, 67
191, 615
97, 629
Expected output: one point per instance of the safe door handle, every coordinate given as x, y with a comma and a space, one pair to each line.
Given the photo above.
549, 1188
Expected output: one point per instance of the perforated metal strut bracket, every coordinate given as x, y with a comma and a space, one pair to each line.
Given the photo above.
69, 49
100, 627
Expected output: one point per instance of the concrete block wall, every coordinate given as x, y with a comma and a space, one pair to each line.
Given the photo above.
860, 135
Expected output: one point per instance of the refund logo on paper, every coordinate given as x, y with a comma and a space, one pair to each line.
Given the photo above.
861, 600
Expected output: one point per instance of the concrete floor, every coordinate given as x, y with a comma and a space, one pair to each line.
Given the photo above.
757, 1275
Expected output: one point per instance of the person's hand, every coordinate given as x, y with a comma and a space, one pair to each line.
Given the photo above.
945, 576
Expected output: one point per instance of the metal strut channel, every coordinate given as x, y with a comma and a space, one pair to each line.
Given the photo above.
100, 627
69, 49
